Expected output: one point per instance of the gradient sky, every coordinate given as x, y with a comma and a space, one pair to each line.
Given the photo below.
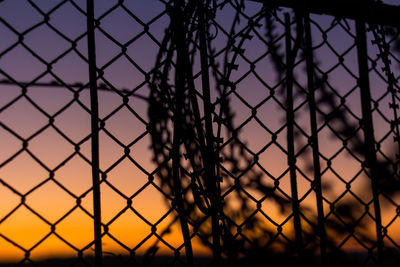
23, 173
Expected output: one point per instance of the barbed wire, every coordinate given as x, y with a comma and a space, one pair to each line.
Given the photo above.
218, 181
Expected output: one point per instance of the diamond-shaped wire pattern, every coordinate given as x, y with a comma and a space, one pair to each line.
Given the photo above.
277, 192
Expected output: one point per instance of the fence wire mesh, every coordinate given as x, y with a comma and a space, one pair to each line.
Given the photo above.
228, 131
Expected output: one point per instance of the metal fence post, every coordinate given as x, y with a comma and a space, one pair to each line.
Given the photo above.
209, 160
367, 125
290, 136
314, 136
94, 132
180, 79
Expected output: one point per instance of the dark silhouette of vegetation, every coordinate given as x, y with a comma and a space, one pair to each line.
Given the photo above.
198, 169
212, 181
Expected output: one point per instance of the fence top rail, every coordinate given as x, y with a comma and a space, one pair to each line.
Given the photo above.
366, 10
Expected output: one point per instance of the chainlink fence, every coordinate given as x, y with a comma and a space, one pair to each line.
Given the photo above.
139, 132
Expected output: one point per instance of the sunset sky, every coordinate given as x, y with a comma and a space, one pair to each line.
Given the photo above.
71, 117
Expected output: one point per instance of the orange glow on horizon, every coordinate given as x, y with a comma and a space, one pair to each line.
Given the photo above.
46, 172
